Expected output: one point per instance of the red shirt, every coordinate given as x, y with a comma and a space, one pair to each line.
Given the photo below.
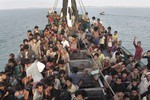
138, 52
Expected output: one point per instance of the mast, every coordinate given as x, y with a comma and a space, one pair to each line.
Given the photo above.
74, 9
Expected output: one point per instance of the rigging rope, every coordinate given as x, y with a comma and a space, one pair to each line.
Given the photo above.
55, 5
81, 7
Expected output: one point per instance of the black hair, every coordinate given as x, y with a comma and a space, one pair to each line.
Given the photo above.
26, 61
50, 84
21, 45
61, 62
25, 40
36, 27
93, 17
109, 28
20, 88
95, 28
26, 47
12, 55
64, 95
81, 92
11, 60
62, 72
39, 84
74, 69
116, 32
134, 89
69, 79
117, 54
29, 31
96, 54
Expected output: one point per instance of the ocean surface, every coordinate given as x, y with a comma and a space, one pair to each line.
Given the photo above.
129, 22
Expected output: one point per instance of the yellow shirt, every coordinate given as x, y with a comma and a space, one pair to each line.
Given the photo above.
101, 57
115, 37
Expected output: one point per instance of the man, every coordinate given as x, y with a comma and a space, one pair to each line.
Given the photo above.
71, 87
35, 47
33, 71
138, 50
147, 55
28, 54
145, 82
76, 79
38, 92
65, 43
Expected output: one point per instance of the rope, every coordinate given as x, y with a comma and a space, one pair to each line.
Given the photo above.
102, 74
55, 5
83, 5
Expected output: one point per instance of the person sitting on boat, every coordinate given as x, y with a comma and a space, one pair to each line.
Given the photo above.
81, 95
147, 55
38, 92
96, 36
115, 37
109, 43
94, 21
73, 44
71, 87
114, 48
96, 66
76, 78
50, 52
85, 17
35, 47
12, 69
65, 43
138, 50
36, 30
135, 94
102, 42
145, 81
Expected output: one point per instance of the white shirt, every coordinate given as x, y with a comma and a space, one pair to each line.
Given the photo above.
33, 71
65, 43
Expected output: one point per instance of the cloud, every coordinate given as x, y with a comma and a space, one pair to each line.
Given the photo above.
8, 4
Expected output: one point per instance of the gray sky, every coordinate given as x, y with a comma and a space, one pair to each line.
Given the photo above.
9, 4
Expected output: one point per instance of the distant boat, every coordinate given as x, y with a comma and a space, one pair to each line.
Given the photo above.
102, 13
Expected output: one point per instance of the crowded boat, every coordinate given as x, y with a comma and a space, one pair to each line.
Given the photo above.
75, 59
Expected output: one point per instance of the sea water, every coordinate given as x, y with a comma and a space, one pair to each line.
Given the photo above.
129, 22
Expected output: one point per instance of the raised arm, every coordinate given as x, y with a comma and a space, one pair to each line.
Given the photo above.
134, 42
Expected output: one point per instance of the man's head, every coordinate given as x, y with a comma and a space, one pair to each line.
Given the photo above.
11, 62
39, 87
96, 56
139, 43
11, 55
80, 95
25, 41
69, 82
27, 62
26, 47
134, 82
75, 69
134, 92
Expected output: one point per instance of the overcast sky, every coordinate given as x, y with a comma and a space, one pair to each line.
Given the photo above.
9, 4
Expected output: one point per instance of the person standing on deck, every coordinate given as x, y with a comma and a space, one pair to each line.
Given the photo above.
138, 50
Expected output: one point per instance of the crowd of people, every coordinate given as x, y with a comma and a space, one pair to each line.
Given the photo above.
39, 70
